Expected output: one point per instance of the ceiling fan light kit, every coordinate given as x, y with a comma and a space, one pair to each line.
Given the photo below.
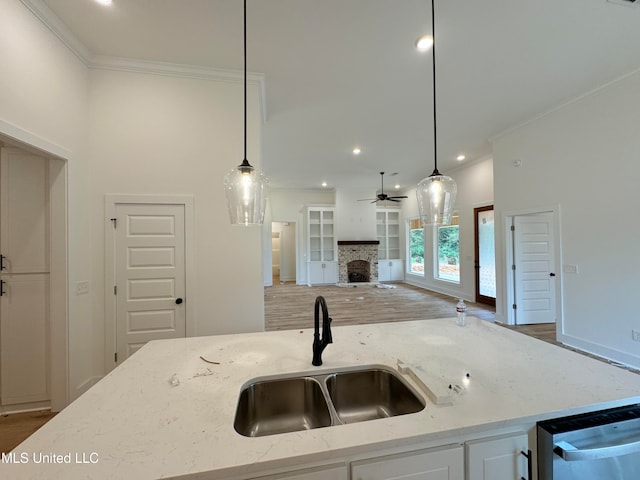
246, 186
436, 194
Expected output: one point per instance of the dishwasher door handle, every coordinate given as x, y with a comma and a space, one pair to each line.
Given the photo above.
572, 454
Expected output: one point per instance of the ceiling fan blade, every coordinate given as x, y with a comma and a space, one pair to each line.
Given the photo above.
393, 199
376, 200
399, 196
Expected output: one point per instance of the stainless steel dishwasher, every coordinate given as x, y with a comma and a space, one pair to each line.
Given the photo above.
603, 445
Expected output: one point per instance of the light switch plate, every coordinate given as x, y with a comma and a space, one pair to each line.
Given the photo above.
570, 268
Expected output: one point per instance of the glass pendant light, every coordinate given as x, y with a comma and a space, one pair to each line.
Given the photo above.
437, 193
245, 185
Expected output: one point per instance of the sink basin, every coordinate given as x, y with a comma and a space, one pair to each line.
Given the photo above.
279, 406
370, 394
303, 402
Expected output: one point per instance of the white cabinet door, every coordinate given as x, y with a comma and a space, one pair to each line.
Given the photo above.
24, 207
390, 270
330, 272
444, 463
24, 311
323, 272
397, 270
316, 273
333, 472
384, 271
498, 458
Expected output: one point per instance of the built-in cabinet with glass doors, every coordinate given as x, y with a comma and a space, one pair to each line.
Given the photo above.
390, 264
322, 246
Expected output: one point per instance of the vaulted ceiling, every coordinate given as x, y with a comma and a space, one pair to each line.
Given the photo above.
341, 73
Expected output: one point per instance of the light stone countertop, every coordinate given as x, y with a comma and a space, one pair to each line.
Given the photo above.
140, 424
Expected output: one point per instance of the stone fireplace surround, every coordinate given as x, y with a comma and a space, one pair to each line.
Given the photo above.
350, 250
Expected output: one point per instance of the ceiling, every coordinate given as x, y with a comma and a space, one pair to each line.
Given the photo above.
341, 73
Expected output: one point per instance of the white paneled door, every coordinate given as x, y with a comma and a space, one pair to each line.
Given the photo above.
150, 275
534, 275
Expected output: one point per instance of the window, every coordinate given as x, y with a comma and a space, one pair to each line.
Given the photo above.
448, 252
416, 246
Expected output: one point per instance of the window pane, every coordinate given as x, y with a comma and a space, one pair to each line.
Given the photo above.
487, 254
416, 247
448, 253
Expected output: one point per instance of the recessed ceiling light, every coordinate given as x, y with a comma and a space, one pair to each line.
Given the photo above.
357, 151
460, 158
397, 187
105, 2
424, 43
324, 184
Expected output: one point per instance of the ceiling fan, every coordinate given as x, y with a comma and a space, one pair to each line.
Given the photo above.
383, 196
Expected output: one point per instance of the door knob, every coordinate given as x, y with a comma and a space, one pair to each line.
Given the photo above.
552, 274
178, 301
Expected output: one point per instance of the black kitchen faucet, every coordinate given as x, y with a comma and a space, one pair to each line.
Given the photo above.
320, 344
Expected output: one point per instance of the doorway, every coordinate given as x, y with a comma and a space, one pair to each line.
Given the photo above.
485, 255
532, 284
33, 306
283, 251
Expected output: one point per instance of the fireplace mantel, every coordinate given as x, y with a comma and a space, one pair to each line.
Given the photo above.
358, 242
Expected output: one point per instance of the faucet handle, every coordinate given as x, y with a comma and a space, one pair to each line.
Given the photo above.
326, 332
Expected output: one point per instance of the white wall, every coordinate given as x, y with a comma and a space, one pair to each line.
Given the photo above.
153, 134
475, 189
355, 220
584, 157
286, 203
44, 94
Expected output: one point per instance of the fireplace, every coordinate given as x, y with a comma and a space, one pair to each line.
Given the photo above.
358, 261
358, 271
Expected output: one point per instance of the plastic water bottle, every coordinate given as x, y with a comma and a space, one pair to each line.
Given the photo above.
461, 310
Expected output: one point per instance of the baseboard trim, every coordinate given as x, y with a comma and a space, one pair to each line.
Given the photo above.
613, 356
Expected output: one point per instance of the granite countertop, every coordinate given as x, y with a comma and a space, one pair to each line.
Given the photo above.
166, 412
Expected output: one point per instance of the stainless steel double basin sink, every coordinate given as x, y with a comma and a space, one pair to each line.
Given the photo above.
302, 402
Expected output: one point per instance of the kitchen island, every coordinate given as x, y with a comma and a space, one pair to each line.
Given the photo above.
166, 412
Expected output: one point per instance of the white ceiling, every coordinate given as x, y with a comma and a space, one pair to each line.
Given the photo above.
341, 73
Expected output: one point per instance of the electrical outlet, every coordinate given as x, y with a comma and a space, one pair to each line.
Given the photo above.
82, 287
635, 335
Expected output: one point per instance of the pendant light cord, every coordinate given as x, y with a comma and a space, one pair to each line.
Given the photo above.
433, 62
245, 81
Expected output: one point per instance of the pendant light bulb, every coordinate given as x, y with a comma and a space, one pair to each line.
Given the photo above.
246, 186
436, 194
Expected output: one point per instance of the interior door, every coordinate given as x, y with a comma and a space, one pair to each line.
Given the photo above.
534, 276
150, 275
485, 255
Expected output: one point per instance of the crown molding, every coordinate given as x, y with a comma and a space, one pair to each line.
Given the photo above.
99, 62
59, 29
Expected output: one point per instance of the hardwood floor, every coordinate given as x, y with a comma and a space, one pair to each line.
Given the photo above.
290, 306
16, 427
